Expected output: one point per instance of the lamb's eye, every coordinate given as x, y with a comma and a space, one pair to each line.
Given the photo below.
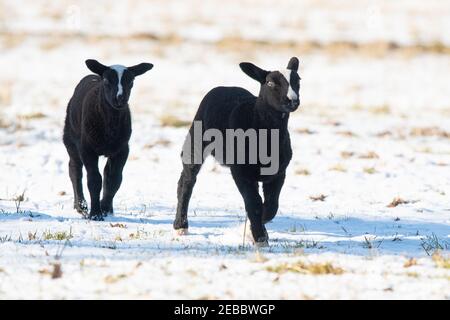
271, 84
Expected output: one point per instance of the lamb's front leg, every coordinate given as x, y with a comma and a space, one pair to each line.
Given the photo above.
272, 191
94, 181
112, 179
253, 206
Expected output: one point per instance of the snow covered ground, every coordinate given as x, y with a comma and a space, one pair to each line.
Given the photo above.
374, 127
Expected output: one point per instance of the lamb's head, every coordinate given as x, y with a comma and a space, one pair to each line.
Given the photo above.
117, 81
280, 89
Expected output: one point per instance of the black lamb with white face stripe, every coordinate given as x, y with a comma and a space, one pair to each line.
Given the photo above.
98, 123
225, 108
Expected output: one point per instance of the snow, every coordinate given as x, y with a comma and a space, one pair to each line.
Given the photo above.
368, 141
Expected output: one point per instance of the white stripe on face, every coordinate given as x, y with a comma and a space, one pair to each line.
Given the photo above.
291, 93
119, 70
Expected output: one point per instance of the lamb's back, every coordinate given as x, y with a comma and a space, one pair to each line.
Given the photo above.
222, 104
86, 89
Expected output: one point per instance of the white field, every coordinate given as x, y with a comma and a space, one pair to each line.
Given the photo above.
372, 127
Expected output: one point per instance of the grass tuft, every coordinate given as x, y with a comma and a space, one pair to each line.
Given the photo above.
113, 279
369, 155
410, 262
59, 235
173, 121
302, 172
432, 244
31, 116
396, 202
306, 268
320, 197
339, 168
441, 261
370, 170
430, 132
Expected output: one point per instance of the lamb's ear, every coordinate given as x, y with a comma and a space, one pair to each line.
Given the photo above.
254, 72
141, 68
95, 66
293, 64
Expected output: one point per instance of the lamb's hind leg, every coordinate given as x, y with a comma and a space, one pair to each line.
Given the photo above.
185, 186
112, 179
76, 176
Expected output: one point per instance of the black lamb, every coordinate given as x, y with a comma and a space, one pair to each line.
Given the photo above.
225, 108
98, 123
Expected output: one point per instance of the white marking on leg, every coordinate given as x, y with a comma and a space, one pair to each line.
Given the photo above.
119, 69
291, 93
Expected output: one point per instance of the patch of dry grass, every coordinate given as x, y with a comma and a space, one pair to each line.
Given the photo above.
412, 274
347, 154
383, 110
302, 172
110, 279
441, 261
385, 133
396, 202
10, 41
59, 235
334, 48
347, 133
320, 197
410, 262
173, 121
306, 268
370, 170
429, 132
369, 155
305, 131
118, 225
51, 43
31, 116
339, 168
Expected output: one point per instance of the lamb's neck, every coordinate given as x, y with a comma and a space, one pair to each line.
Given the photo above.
111, 116
269, 118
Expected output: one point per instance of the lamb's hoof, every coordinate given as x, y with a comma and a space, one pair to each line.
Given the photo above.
107, 209
96, 217
107, 213
262, 241
81, 207
182, 232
